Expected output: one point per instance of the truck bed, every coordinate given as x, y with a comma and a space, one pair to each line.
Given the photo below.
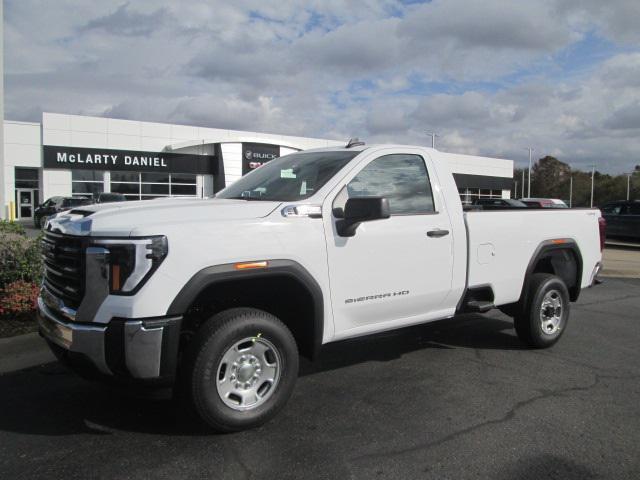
502, 244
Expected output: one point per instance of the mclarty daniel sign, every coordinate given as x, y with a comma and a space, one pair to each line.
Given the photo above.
131, 160
255, 155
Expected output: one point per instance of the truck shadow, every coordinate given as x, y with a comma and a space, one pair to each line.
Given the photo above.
465, 331
52, 401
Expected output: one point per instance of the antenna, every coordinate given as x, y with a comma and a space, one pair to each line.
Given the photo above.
354, 142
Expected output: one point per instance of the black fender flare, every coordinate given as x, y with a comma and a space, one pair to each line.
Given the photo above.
542, 250
214, 274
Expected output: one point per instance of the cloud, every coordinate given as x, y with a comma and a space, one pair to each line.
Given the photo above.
625, 118
490, 77
125, 21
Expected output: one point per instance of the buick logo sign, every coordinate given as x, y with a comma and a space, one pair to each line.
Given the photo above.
254, 155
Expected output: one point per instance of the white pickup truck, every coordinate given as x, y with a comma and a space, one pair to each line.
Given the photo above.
223, 294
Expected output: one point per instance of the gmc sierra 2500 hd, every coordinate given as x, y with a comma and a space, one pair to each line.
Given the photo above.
310, 248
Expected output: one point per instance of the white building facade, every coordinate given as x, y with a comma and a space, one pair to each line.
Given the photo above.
71, 155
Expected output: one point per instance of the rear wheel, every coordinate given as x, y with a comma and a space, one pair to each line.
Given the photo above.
542, 320
241, 368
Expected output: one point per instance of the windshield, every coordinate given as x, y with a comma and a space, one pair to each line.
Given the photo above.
289, 178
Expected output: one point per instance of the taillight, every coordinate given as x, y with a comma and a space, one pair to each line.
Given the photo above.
602, 227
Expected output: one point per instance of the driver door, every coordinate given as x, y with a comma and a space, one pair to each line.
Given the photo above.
394, 271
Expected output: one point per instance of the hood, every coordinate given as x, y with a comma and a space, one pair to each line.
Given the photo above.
134, 218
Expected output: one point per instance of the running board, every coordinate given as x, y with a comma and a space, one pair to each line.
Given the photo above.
479, 306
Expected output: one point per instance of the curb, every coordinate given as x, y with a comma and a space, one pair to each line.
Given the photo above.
23, 351
618, 274
619, 245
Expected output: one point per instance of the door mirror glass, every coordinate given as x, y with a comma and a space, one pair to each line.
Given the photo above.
361, 209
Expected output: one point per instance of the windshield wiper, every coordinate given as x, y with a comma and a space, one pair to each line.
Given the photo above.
248, 199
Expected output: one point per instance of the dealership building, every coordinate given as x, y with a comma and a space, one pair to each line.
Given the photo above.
75, 155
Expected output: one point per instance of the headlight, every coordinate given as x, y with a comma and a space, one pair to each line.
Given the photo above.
131, 262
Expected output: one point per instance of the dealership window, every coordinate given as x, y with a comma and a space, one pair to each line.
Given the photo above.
468, 195
86, 183
148, 185
26, 177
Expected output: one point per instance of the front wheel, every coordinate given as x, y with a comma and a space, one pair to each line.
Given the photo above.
542, 320
241, 368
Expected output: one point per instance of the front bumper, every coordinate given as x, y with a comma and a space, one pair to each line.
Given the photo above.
135, 349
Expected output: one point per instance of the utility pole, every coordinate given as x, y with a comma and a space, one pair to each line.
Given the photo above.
515, 190
522, 196
593, 174
570, 189
529, 185
628, 185
433, 138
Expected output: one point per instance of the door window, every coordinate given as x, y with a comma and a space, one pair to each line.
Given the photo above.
25, 203
402, 179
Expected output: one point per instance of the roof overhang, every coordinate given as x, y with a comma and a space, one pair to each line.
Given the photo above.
236, 139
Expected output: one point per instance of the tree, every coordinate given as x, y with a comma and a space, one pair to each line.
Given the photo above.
550, 178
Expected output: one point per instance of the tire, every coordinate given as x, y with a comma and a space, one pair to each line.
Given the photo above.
543, 319
240, 369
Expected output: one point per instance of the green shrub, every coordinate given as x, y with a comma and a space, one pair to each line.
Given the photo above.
11, 227
18, 298
19, 259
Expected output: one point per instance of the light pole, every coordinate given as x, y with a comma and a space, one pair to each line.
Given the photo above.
628, 185
529, 184
593, 174
522, 183
433, 138
570, 189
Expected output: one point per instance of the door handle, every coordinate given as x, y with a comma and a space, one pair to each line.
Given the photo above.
437, 233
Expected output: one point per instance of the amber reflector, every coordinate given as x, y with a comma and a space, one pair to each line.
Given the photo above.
250, 265
115, 277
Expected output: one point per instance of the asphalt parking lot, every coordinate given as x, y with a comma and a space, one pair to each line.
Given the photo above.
453, 399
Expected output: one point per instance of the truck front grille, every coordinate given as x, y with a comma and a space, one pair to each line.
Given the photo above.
64, 267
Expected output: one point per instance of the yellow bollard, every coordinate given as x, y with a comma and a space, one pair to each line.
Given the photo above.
12, 211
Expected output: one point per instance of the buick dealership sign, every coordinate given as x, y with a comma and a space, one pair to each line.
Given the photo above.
107, 159
255, 155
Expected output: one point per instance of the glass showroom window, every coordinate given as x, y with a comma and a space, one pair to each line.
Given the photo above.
87, 183
468, 195
183, 185
148, 185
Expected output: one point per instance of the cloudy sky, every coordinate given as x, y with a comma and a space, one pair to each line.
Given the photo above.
491, 77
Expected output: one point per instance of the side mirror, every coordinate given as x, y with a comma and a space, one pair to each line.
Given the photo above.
362, 209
